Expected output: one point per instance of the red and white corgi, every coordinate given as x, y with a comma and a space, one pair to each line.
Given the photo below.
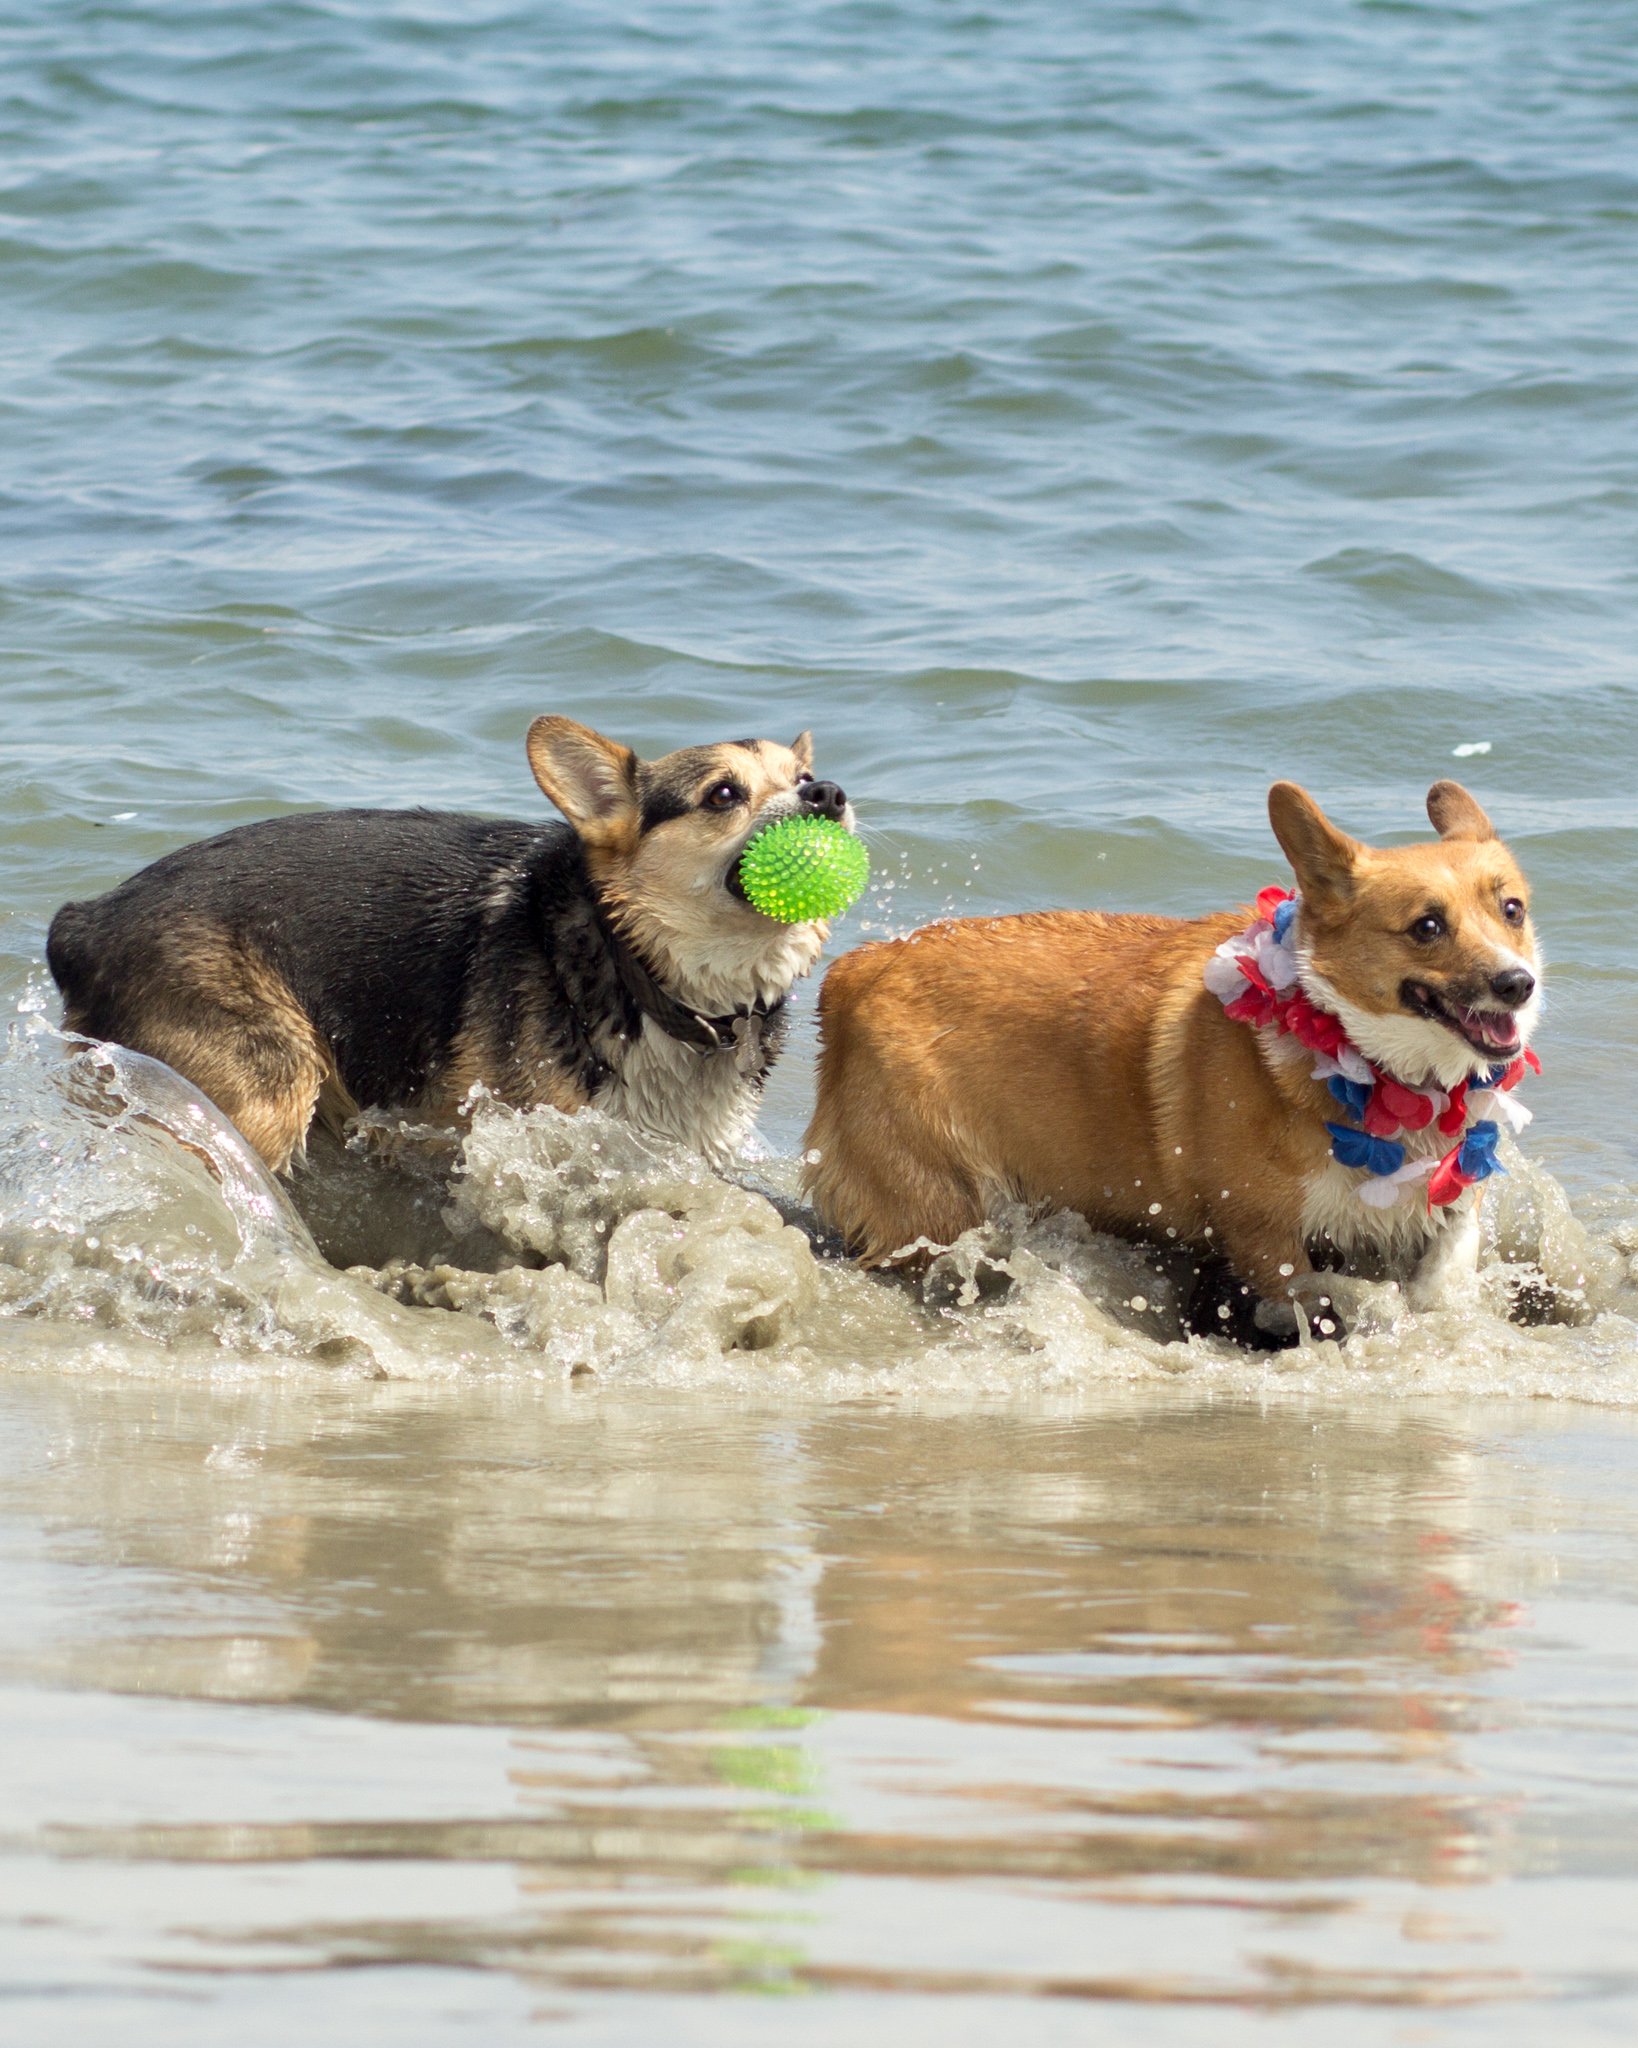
1318, 1088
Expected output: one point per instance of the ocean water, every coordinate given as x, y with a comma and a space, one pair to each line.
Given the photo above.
514, 1584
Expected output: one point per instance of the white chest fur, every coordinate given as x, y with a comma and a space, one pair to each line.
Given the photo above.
1430, 1255
706, 1101
1403, 1240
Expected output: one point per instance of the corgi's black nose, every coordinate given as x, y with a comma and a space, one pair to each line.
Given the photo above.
827, 798
1515, 986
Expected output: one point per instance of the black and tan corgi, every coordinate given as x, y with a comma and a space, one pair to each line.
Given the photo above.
1090, 1062
339, 960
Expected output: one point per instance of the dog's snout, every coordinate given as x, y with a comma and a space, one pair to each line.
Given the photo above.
827, 798
1515, 986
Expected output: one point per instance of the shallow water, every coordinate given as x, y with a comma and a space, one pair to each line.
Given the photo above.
526, 1567
394, 1711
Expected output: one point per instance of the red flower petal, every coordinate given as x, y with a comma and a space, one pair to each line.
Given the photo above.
1412, 1108
1316, 1028
1379, 1119
1446, 1182
1256, 1006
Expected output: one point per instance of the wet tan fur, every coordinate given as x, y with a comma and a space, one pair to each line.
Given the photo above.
1077, 1060
216, 1011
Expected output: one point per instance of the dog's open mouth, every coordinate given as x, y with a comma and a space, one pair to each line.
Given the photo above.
1485, 1031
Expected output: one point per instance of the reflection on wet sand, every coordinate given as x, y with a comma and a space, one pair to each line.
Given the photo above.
1177, 1700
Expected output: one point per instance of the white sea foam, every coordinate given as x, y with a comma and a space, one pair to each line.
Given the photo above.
138, 1233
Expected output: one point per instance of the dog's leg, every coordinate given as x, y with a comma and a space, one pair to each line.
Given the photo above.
1449, 1268
1221, 1304
265, 1082
881, 1204
225, 1019
334, 1108
877, 1177
1263, 1252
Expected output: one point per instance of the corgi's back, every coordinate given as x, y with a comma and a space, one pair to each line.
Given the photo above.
990, 1056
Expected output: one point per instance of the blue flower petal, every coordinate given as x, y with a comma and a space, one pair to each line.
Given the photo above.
1380, 1156
1353, 1095
1477, 1158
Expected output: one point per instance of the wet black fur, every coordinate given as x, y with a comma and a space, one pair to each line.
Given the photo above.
397, 932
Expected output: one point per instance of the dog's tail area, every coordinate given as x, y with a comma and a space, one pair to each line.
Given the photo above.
885, 1167
67, 956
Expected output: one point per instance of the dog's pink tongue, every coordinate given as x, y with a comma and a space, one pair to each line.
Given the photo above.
1495, 1027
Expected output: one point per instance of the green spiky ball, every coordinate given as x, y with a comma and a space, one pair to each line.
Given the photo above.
799, 869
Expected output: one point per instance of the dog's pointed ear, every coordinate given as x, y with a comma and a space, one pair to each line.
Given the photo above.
592, 780
1322, 858
802, 748
1454, 814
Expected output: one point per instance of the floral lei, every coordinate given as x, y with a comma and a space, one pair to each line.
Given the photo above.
1255, 978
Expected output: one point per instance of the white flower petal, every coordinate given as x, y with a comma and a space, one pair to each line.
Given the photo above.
1223, 977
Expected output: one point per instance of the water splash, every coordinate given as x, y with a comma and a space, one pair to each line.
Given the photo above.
138, 1228
138, 1232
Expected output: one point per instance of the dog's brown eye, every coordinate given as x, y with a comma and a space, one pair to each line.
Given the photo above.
1513, 910
803, 777
1427, 929
723, 797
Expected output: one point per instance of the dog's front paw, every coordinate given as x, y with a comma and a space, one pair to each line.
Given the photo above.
1280, 1324
1221, 1304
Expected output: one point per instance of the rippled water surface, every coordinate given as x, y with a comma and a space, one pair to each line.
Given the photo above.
518, 1586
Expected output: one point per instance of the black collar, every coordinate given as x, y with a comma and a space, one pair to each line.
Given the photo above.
676, 1019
